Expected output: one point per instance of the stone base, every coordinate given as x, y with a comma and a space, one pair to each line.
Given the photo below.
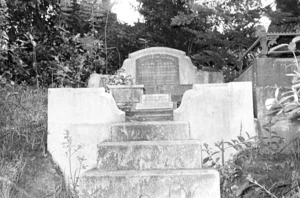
195, 183
150, 131
176, 91
150, 115
149, 155
166, 105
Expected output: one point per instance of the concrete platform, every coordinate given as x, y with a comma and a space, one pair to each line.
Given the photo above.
195, 183
146, 155
150, 131
150, 115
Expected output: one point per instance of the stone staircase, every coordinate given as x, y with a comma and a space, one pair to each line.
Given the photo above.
148, 156
153, 159
149, 115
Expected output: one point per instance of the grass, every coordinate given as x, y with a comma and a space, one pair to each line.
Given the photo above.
23, 131
23, 117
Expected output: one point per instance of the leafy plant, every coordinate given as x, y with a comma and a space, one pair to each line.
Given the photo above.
289, 102
253, 172
72, 149
240, 144
271, 144
120, 78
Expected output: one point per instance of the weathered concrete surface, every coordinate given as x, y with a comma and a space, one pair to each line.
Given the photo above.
97, 80
150, 114
176, 91
188, 73
150, 131
272, 71
267, 74
218, 112
126, 93
86, 114
196, 183
204, 77
155, 101
149, 155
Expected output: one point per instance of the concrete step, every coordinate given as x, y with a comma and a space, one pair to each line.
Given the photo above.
150, 115
150, 131
147, 155
143, 118
196, 183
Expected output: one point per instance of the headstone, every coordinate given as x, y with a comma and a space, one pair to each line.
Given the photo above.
165, 70
86, 114
155, 101
164, 66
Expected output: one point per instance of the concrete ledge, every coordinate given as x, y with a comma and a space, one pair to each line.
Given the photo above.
152, 130
147, 155
194, 183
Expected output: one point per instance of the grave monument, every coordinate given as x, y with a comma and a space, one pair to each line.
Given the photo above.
158, 153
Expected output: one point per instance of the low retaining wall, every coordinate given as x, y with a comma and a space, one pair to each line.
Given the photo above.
218, 112
86, 114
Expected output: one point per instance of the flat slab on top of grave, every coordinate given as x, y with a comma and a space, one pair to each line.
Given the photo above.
155, 101
150, 131
195, 183
149, 155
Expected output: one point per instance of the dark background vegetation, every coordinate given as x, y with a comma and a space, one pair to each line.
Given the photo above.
58, 43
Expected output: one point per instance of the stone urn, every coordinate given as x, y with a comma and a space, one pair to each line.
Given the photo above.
126, 95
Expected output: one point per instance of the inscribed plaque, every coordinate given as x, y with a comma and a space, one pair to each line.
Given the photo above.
157, 69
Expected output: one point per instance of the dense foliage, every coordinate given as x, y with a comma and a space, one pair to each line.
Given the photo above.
215, 33
286, 17
54, 43
58, 45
